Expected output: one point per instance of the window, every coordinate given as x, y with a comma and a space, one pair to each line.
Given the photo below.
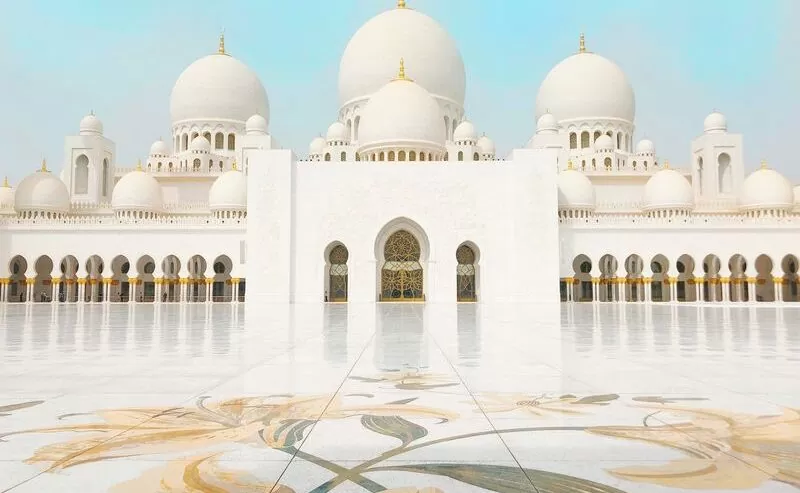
219, 140
81, 175
476, 157
343, 156
584, 140
460, 155
573, 140
231, 142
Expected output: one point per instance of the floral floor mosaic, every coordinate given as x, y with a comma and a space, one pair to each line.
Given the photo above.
400, 398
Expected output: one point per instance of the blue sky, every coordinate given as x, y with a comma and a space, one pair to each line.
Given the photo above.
120, 59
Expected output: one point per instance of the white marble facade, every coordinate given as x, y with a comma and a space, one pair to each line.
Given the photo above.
218, 212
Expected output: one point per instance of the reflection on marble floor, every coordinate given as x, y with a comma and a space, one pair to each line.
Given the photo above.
400, 398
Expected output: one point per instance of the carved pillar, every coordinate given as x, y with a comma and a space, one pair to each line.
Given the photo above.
568, 282
595, 289
132, 289
778, 282
648, 289
751, 286
209, 290
235, 289
726, 293
81, 290
159, 289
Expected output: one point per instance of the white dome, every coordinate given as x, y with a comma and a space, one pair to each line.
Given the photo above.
486, 145
547, 124
137, 191
715, 123
465, 131
645, 146
404, 114
575, 190
370, 58
668, 189
218, 87
200, 144
229, 192
604, 143
91, 125
6, 198
256, 125
159, 148
797, 195
317, 146
586, 86
765, 188
43, 192
337, 132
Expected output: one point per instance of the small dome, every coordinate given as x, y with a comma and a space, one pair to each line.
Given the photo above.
42, 192
337, 132
486, 145
256, 125
604, 143
645, 146
547, 124
217, 87
402, 114
765, 188
668, 189
200, 144
91, 125
715, 123
575, 191
229, 192
137, 191
317, 146
465, 132
6, 198
159, 148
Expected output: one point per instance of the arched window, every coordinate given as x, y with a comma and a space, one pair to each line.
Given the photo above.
460, 155
349, 130
158, 168
476, 157
207, 136
584, 140
196, 165
391, 155
401, 273
634, 165
219, 140
231, 142
607, 163
573, 140
401, 156
327, 156
343, 156
422, 156
700, 175
597, 135
724, 173
185, 144
381, 156
356, 122
412, 156
619, 141
194, 136
210, 164
81, 175
594, 164
465, 275
105, 178
337, 274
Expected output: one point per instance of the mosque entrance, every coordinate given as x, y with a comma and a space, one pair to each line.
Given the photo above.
401, 274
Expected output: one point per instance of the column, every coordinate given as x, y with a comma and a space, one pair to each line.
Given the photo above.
234, 290
777, 281
159, 284
29, 290
751, 286
54, 289
2, 290
209, 290
648, 289
726, 295
184, 289
595, 289
132, 289
698, 288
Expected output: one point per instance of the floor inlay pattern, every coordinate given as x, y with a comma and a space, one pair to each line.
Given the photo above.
399, 398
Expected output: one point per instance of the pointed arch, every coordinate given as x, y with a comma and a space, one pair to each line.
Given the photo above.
336, 272
81, 185
467, 273
401, 252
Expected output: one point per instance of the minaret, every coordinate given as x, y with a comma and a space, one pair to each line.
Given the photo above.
89, 163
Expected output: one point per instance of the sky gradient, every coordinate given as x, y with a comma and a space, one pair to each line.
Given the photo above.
684, 58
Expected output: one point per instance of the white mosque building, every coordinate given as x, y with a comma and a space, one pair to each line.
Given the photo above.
403, 200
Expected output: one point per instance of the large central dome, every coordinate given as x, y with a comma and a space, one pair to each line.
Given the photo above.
586, 86
370, 58
218, 87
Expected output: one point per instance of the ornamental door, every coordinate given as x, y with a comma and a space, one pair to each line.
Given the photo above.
465, 275
401, 274
337, 274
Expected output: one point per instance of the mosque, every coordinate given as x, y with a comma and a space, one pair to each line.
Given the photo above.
403, 199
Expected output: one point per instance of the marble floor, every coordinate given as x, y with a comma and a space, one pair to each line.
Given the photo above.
571, 398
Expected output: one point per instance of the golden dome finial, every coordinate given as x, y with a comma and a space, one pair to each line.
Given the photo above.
44, 166
401, 72
233, 166
764, 164
139, 165
582, 44
570, 165
5, 183
401, 4
666, 164
221, 49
